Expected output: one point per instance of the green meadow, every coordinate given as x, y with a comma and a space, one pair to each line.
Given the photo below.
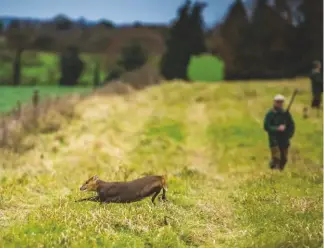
41, 68
209, 141
10, 95
39, 71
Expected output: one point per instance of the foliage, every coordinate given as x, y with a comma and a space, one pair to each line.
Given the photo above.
107, 24
114, 74
264, 50
279, 40
71, 66
196, 25
1, 27
233, 31
282, 7
309, 43
96, 74
186, 38
133, 56
18, 38
62, 22
41, 68
44, 43
175, 59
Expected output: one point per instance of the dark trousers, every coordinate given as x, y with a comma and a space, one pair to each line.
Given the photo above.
279, 157
317, 99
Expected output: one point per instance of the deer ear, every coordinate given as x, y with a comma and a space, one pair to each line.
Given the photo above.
95, 177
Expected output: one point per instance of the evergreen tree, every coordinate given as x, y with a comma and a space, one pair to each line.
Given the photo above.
255, 40
62, 22
96, 74
133, 56
108, 24
176, 57
235, 24
310, 33
1, 27
265, 51
233, 31
196, 24
19, 38
283, 8
186, 38
71, 66
114, 74
44, 43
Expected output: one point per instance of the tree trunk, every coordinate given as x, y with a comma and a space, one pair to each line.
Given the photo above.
96, 75
17, 67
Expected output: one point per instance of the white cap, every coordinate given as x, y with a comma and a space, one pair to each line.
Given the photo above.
279, 98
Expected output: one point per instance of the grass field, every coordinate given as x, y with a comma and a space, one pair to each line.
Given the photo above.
207, 138
10, 95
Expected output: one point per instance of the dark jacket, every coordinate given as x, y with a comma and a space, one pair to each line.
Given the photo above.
272, 120
317, 82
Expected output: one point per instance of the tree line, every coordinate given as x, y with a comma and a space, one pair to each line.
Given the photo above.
274, 41
258, 40
71, 65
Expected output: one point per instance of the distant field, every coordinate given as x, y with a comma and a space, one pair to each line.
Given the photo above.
10, 95
40, 68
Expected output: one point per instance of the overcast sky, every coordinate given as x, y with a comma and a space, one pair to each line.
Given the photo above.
118, 11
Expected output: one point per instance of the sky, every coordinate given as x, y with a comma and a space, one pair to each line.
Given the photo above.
118, 11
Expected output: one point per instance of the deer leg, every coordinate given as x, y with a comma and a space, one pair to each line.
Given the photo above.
155, 195
163, 195
93, 198
107, 200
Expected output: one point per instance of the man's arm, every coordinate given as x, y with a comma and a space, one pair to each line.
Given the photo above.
267, 124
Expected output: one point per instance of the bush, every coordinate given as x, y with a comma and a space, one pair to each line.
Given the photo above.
114, 74
133, 56
71, 67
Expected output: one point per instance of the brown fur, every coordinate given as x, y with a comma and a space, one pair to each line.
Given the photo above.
124, 192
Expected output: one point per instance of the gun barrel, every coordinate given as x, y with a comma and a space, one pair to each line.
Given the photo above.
292, 99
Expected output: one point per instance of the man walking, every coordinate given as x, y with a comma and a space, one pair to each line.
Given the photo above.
280, 127
317, 85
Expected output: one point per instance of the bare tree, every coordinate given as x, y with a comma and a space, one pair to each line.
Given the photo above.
19, 36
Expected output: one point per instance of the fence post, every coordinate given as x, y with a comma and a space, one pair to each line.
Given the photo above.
47, 104
4, 132
51, 76
35, 105
18, 110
